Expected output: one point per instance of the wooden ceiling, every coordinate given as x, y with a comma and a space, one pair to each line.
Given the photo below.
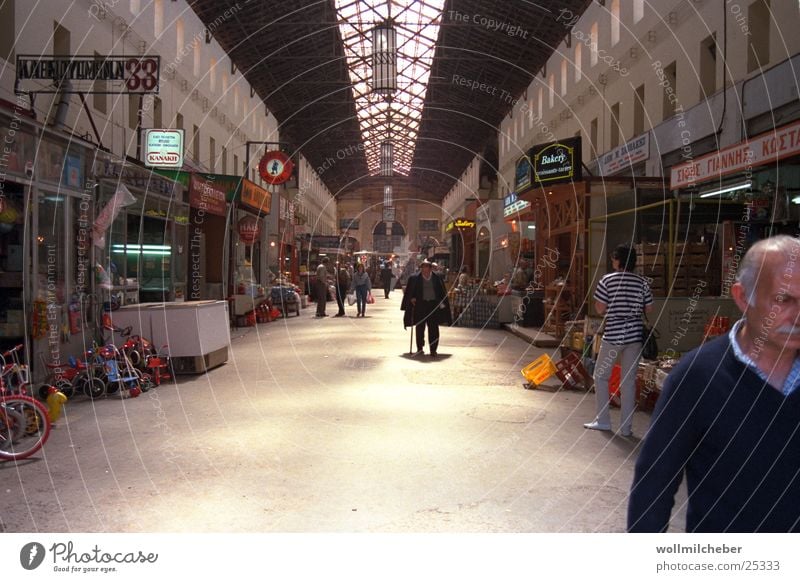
292, 56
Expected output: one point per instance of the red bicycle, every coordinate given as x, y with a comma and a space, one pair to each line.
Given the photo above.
24, 422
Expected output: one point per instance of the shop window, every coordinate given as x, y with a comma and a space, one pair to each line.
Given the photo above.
100, 100
614, 129
593, 39
758, 16
50, 246
593, 137
7, 30
578, 61
614, 22
670, 101
638, 110
82, 217
708, 67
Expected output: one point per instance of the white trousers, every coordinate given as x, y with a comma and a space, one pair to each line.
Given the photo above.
628, 357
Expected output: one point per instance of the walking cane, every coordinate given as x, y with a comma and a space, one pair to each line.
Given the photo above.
411, 339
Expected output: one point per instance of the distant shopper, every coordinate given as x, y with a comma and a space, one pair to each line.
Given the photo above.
362, 285
622, 296
342, 286
322, 286
425, 304
463, 277
386, 278
728, 417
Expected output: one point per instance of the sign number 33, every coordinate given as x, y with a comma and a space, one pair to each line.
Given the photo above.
142, 74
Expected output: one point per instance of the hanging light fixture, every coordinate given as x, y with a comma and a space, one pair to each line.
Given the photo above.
384, 59
387, 158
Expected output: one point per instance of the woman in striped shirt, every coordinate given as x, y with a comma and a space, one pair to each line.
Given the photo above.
622, 296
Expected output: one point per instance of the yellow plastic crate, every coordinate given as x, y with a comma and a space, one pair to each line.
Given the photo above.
539, 370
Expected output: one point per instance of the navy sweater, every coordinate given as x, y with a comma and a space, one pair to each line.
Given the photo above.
737, 440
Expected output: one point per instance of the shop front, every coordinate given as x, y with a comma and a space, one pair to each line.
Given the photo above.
461, 234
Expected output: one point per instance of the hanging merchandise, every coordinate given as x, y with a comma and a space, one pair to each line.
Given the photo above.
74, 315
101, 277
122, 198
39, 319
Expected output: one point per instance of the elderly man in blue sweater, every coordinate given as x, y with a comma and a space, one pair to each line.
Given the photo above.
729, 415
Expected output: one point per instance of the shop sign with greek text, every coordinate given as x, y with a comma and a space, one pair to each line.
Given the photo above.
163, 148
635, 151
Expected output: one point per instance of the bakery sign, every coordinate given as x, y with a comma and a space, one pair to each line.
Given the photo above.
558, 161
163, 148
460, 224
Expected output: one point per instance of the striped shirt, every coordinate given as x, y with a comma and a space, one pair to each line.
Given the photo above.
625, 295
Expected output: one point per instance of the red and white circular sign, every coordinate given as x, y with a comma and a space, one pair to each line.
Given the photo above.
249, 229
275, 167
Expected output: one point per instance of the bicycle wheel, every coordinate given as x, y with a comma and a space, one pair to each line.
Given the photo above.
24, 427
93, 386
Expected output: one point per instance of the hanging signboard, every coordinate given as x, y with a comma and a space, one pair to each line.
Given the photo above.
163, 148
255, 196
249, 229
78, 73
206, 196
635, 151
459, 223
558, 161
512, 204
523, 174
767, 148
275, 167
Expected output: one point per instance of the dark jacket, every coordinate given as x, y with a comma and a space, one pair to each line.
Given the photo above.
414, 289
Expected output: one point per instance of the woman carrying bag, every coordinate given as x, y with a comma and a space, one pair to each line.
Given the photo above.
622, 297
362, 286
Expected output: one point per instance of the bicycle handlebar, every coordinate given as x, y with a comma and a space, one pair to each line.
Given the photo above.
14, 349
126, 331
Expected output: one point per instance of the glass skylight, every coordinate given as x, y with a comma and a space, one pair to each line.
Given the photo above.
417, 24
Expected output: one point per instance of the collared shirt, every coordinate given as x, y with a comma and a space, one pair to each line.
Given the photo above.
792, 382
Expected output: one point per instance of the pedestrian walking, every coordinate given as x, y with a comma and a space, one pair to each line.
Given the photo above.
425, 304
342, 286
622, 296
386, 278
362, 285
322, 287
728, 415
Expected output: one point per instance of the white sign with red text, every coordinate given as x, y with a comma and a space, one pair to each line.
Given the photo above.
163, 148
763, 149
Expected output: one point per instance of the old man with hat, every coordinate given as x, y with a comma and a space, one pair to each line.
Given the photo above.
425, 304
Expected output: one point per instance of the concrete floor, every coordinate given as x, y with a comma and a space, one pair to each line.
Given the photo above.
326, 425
